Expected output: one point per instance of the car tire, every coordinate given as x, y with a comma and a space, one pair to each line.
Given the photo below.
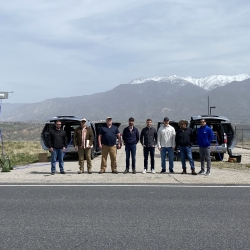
219, 156
92, 153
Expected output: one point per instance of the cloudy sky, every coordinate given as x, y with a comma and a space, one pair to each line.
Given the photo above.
60, 48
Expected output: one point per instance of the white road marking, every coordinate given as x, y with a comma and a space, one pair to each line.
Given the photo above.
125, 185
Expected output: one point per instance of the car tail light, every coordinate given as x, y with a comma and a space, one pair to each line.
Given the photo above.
225, 138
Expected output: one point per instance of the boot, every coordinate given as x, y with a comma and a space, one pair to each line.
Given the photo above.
184, 171
193, 172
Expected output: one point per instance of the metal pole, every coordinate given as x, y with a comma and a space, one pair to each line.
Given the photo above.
242, 138
208, 105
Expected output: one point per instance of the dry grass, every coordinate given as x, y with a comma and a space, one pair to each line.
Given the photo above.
22, 153
230, 165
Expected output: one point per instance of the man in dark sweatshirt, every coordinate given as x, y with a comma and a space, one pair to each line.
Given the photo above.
184, 139
148, 139
130, 138
57, 141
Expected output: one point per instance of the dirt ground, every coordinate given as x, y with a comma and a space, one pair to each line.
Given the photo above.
222, 173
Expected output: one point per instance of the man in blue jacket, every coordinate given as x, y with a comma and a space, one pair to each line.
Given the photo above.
130, 138
204, 138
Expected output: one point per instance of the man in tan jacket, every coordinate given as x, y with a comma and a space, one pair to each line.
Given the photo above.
83, 141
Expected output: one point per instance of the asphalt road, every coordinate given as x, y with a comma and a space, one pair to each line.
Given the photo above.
114, 217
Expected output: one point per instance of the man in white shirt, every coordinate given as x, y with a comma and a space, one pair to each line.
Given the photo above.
166, 143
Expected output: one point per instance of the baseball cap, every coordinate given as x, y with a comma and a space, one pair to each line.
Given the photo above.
83, 119
166, 119
109, 117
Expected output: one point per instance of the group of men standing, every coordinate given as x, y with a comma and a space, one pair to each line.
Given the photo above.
166, 139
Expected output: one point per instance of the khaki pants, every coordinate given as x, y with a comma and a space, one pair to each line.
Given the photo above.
111, 150
81, 152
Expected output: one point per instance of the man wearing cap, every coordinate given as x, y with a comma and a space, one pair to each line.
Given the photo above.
184, 139
130, 138
107, 137
83, 142
166, 143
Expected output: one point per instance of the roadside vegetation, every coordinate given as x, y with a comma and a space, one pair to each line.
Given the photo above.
231, 165
22, 153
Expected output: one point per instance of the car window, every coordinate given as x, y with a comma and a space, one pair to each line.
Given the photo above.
195, 127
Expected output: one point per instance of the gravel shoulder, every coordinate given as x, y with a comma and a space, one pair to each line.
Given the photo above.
221, 173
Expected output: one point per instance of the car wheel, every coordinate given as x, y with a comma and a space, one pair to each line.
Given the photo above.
92, 153
219, 156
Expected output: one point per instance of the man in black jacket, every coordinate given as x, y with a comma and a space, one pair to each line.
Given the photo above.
148, 139
57, 144
184, 139
130, 138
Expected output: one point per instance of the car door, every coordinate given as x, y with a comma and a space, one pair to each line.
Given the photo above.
229, 131
45, 134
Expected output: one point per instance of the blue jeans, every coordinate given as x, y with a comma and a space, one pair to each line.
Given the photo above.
130, 149
57, 154
164, 151
146, 151
186, 152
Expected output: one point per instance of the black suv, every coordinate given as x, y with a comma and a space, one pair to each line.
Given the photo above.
224, 136
69, 124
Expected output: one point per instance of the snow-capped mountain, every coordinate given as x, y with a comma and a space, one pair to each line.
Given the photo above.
207, 83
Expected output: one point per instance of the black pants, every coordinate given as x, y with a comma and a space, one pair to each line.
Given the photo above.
146, 151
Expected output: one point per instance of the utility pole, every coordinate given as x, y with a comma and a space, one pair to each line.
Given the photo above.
208, 105
3, 95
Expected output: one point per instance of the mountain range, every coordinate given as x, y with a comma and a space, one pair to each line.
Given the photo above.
154, 97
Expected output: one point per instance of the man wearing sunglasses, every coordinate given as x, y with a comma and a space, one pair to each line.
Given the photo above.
204, 139
57, 141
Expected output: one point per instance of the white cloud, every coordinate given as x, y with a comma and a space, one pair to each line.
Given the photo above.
81, 47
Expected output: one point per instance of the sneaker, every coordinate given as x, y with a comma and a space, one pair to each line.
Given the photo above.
80, 172
153, 171
114, 172
144, 171
89, 172
134, 171
171, 171
101, 172
126, 171
207, 173
62, 172
163, 171
202, 172
52, 173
